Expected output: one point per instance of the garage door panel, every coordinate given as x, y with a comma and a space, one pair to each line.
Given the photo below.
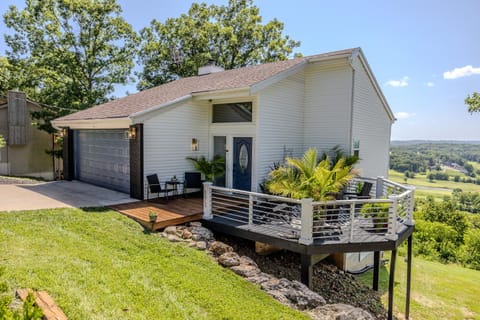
102, 158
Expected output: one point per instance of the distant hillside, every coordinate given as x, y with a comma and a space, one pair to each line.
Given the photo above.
420, 156
414, 142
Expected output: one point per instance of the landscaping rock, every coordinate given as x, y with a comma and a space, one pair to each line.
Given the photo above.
196, 237
204, 233
260, 278
280, 296
195, 224
276, 284
218, 248
192, 244
201, 245
186, 234
247, 261
170, 230
173, 238
302, 297
339, 311
245, 270
229, 259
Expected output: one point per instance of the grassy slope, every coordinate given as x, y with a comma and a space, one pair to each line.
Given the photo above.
421, 180
101, 265
438, 291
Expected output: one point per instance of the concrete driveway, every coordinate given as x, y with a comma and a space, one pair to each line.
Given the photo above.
57, 194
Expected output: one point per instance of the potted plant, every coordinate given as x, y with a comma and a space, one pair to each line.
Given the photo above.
211, 169
152, 216
378, 212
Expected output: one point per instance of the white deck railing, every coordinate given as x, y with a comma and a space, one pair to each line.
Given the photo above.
388, 210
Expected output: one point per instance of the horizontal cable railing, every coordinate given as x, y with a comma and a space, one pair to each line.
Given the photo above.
376, 217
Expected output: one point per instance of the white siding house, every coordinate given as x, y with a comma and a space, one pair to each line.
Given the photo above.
167, 138
318, 101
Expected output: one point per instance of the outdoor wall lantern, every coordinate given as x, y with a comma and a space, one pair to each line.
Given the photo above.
194, 144
132, 133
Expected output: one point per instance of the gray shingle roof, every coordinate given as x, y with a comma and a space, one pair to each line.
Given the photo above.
229, 79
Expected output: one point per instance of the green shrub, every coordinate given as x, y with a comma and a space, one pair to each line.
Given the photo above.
378, 212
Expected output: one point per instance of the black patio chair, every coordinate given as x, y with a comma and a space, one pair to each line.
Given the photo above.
154, 186
193, 180
363, 194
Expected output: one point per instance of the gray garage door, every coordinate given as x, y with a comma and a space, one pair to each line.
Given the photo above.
102, 158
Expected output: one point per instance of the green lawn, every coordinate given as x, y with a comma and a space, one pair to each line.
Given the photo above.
421, 180
98, 264
439, 291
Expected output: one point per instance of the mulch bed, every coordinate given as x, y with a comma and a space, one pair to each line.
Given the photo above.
333, 284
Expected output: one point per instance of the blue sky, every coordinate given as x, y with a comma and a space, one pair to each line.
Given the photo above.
424, 54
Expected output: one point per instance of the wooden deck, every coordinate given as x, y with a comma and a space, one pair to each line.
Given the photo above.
173, 212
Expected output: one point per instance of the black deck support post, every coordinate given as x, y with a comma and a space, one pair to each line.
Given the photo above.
376, 269
391, 284
409, 277
307, 270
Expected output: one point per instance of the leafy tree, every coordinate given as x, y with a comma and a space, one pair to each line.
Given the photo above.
473, 102
444, 212
470, 252
5, 75
69, 54
436, 240
306, 177
233, 35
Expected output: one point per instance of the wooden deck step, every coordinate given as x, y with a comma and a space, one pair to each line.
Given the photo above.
175, 211
51, 311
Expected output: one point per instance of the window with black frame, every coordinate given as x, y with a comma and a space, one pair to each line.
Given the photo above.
232, 112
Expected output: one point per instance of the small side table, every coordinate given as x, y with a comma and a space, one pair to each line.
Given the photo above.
175, 184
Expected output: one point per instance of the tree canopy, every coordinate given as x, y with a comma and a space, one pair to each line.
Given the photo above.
68, 54
232, 35
473, 102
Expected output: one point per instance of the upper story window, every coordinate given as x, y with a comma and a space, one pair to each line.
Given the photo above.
232, 112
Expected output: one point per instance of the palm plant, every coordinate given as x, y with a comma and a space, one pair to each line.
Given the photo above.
307, 177
210, 169
336, 154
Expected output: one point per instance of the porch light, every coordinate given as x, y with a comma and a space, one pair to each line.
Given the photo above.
132, 133
194, 144
64, 132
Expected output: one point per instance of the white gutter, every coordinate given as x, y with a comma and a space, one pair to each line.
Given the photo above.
109, 123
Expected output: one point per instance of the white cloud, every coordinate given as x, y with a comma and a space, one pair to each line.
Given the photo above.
461, 72
398, 83
403, 115
430, 84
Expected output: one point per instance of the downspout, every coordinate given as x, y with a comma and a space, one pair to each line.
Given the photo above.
352, 100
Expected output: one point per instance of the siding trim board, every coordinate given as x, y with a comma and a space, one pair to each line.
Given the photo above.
136, 163
68, 159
